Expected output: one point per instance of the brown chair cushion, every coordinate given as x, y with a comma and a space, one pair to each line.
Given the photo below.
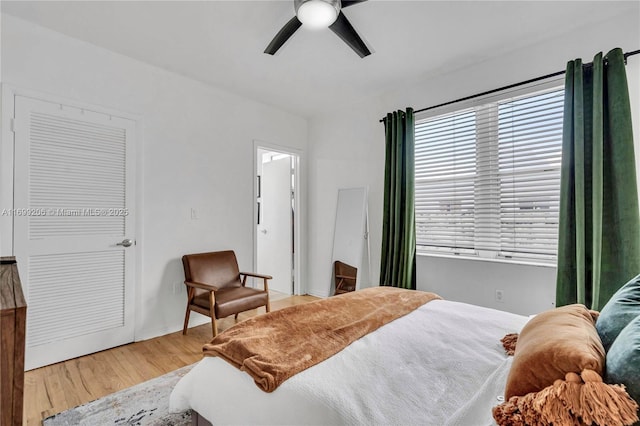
232, 300
219, 268
552, 344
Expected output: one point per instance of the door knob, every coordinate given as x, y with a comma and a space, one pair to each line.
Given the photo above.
264, 231
125, 243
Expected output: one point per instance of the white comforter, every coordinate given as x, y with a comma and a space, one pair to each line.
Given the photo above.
441, 364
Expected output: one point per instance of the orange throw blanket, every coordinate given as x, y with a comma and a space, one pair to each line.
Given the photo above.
279, 344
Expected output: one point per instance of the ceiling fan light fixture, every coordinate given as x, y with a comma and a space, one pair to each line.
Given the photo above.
317, 14
321, 14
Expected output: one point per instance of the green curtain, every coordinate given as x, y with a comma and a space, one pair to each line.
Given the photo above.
398, 260
599, 239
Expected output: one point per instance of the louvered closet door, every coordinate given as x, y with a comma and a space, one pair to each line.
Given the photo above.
74, 181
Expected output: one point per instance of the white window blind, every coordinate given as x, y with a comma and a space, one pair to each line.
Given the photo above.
488, 178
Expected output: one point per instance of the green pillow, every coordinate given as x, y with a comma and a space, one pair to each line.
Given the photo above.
623, 359
619, 311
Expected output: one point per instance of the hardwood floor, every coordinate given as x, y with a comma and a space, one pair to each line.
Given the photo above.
55, 388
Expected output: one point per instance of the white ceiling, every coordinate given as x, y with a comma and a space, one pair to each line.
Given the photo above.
221, 42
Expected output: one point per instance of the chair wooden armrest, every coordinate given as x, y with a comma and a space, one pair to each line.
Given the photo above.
202, 286
252, 274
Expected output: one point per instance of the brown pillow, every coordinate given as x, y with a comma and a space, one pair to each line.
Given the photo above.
552, 344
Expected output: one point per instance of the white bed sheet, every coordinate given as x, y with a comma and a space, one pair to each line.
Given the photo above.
442, 364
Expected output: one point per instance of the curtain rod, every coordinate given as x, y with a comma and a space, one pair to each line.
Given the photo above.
510, 86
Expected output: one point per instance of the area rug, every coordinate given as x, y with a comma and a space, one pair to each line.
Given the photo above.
143, 404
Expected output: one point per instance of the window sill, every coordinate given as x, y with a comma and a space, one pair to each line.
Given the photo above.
484, 259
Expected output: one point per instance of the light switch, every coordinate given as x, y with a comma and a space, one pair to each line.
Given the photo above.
194, 214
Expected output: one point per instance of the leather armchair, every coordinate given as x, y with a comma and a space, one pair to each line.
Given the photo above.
345, 277
216, 287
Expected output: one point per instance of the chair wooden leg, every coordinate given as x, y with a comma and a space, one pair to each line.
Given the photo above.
266, 288
214, 326
212, 312
186, 321
190, 293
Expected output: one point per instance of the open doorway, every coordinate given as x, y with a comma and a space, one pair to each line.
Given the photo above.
276, 218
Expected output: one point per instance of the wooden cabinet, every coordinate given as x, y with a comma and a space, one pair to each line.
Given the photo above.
13, 313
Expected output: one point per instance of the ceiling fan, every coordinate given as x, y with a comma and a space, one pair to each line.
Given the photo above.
321, 14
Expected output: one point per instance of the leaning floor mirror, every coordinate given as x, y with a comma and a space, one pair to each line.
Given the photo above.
349, 262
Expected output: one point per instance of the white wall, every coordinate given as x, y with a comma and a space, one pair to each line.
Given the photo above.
347, 148
196, 152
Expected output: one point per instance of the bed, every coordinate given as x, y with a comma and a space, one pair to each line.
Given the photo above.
385, 356
442, 363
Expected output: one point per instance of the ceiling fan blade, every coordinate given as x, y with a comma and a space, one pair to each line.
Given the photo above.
347, 3
283, 35
343, 29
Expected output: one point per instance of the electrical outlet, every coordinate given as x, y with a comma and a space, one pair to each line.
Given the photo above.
499, 295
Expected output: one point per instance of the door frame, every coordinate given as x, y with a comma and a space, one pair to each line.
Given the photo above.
298, 288
7, 155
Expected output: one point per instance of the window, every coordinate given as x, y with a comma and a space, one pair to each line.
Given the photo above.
488, 178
